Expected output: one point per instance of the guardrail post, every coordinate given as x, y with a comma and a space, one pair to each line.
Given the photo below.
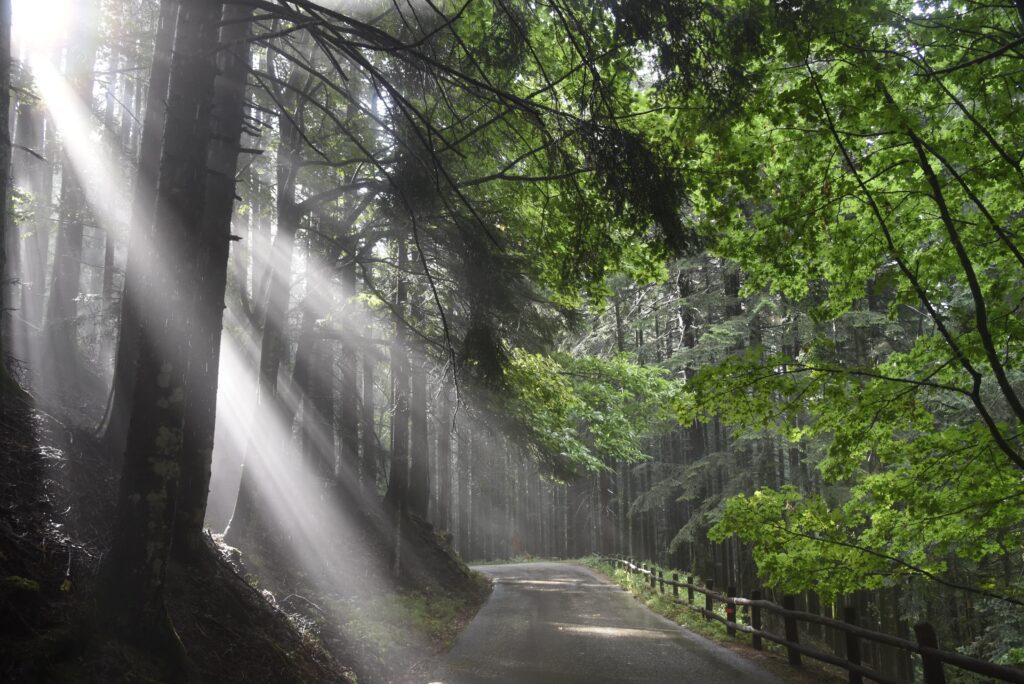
689, 589
852, 644
792, 635
730, 611
675, 585
930, 665
755, 619
661, 581
708, 601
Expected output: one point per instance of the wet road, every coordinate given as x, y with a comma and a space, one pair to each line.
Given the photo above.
550, 623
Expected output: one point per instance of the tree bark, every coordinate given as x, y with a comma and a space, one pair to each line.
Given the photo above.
397, 495
419, 443
114, 428
274, 343
368, 471
348, 411
465, 449
7, 385
398, 477
35, 237
212, 268
444, 462
131, 587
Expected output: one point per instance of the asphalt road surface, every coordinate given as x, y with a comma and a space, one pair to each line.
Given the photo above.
549, 623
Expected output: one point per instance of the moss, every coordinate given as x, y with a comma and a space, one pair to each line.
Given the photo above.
440, 616
16, 583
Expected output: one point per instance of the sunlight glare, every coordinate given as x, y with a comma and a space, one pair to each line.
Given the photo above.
39, 25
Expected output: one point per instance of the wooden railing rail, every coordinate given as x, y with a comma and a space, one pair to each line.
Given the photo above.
932, 657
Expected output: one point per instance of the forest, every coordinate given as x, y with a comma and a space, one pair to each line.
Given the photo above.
307, 304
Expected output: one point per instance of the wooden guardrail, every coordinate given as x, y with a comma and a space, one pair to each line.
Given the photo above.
933, 659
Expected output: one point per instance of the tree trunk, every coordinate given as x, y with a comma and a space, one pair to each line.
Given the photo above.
444, 462
313, 378
113, 146
348, 411
35, 236
607, 519
368, 471
131, 587
274, 343
114, 428
465, 449
7, 384
397, 496
62, 308
212, 267
398, 476
419, 443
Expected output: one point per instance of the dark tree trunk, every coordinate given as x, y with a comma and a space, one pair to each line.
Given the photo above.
465, 449
348, 411
35, 236
7, 384
398, 475
444, 462
397, 495
106, 349
114, 429
131, 588
607, 519
314, 381
419, 443
212, 267
274, 343
368, 471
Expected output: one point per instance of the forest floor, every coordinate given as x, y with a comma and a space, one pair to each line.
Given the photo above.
56, 503
772, 658
58, 491
386, 629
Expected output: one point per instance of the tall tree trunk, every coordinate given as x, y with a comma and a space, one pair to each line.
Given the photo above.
348, 411
62, 308
397, 496
7, 385
131, 588
444, 462
368, 470
313, 378
465, 450
419, 443
114, 147
35, 236
605, 482
114, 428
212, 268
274, 343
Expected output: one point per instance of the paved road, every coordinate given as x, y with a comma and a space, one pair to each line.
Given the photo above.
549, 623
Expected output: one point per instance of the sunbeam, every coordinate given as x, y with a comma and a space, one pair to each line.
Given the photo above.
40, 25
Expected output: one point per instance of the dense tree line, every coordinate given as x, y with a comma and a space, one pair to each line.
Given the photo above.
370, 194
730, 286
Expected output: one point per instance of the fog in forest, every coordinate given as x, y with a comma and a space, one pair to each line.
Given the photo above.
328, 326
